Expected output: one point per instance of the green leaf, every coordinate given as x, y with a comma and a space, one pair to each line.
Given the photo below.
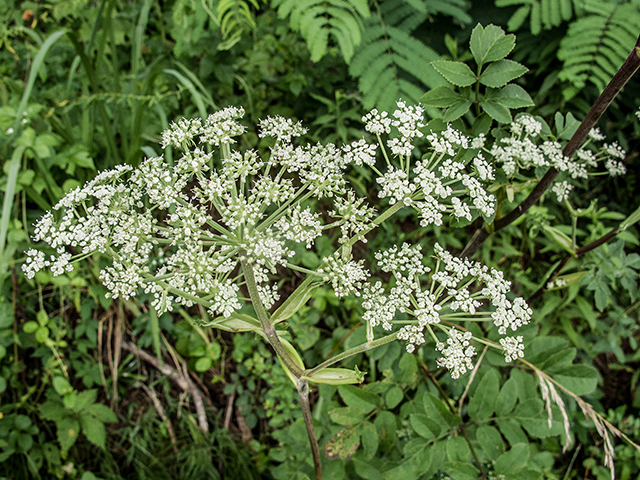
513, 460
507, 397
53, 410
496, 111
579, 379
512, 430
336, 376
85, 398
442, 97
62, 385
482, 402
501, 72
366, 470
456, 110
385, 423
94, 430
457, 73
414, 466
203, 364
457, 449
68, 430
6, 315
461, 471
424, 426
293, 303
102, 413
490, 441
237, 322
343, 445
369, 439
346, 416
394, 397
513, 96
490, 44
560, 238
358, 398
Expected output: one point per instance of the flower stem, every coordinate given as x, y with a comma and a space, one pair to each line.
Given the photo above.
303, 393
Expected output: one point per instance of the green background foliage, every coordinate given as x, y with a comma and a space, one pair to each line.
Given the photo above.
88, 85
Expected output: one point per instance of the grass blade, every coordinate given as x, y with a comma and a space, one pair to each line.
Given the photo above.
7, 204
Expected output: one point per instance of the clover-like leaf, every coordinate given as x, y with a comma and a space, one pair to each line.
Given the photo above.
490, 44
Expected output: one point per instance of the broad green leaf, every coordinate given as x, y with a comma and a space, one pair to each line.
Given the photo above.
457, 449
94, 430
490, 44
346, 416
408, 369
21, 422
490, 441
61, 385
358, 398
507, 397
394, 397
85, 398
442, 97
68, 430
512, 430
369, 439
414, 466
579, 379
53, 410
482, 402
456, 110
513, 460
437, 411
385, 423
203, 364
496, 111
365, 470
343, 445
501, 72
512, 96
336, 376
102, 413
424, 426
461, 471
457, 73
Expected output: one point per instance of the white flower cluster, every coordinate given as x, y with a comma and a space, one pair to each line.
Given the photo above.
524, 150
458, 290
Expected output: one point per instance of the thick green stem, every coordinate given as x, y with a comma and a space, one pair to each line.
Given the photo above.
268, 329
303, 393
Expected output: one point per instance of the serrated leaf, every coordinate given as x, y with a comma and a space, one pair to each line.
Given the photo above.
513, 96
496, 111
68, 430
343, 445
502, 72
61, 385
457, 73
424, 426
53, 410
457, 449
490, 44
102, 413
456, 110
579, 379
441, 97
414, 466
94, 430
461, 471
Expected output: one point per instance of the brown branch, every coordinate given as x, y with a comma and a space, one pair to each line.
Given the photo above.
579, 253
303, 393
619, 80
183, 381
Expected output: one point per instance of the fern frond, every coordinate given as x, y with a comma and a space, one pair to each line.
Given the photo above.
457, 9
596, 45
317, 20
391, 64
545, 14
236, 17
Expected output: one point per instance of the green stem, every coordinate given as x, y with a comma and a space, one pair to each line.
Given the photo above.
303, 393
268, 329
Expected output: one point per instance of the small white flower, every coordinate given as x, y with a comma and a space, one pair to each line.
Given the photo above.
513, 348
615, 167
562, 189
